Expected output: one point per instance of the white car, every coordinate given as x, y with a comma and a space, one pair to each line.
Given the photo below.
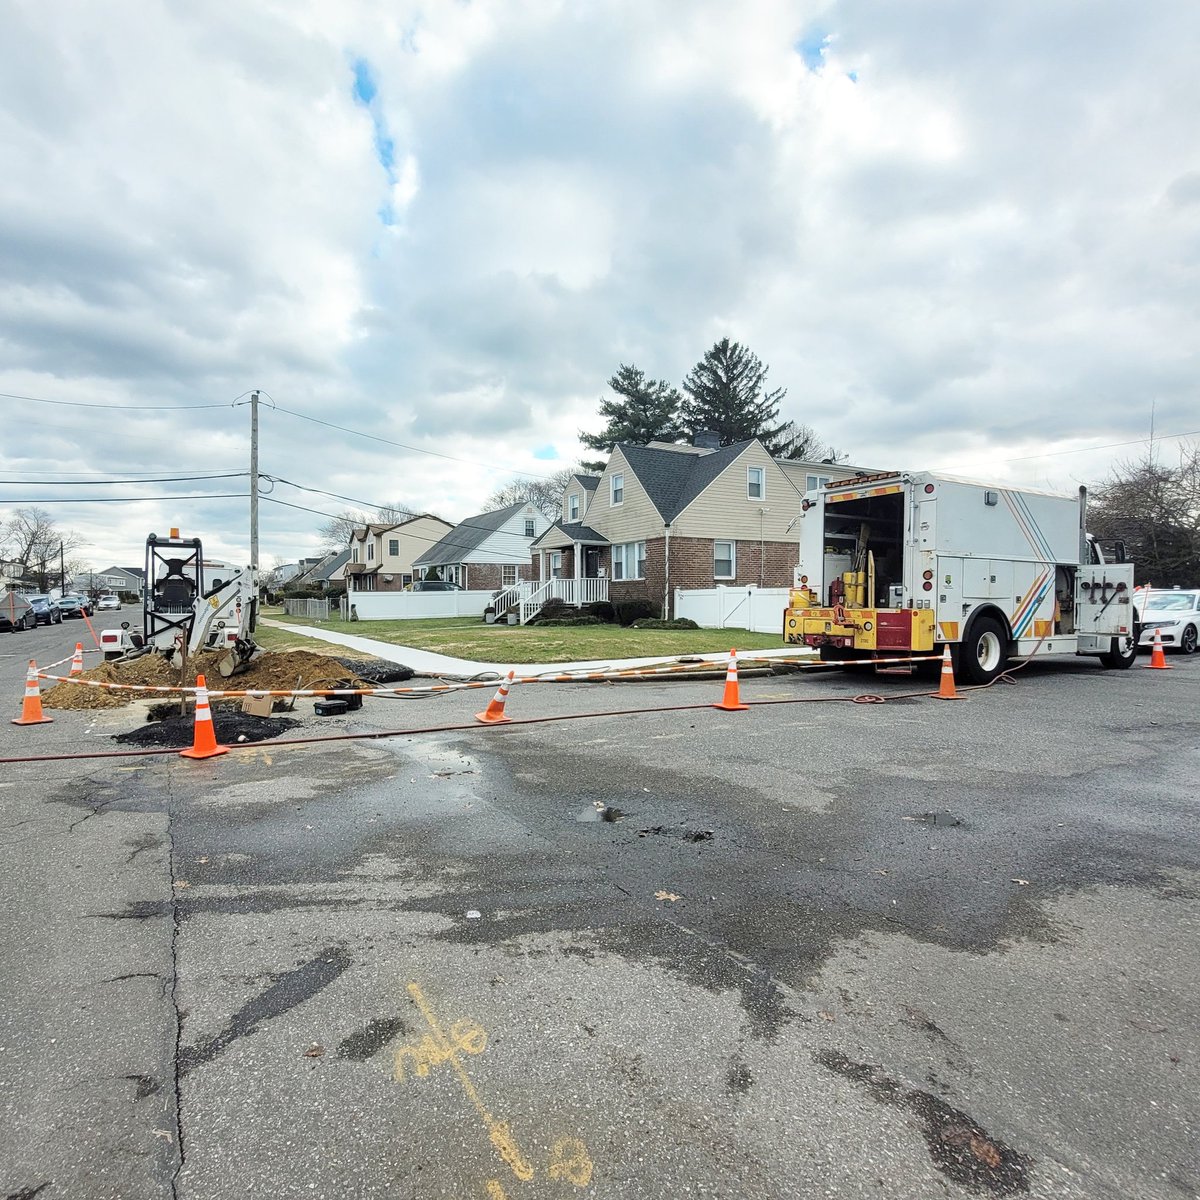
111, 602
1173, 613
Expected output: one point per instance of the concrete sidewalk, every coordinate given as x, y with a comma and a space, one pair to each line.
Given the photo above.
425, 662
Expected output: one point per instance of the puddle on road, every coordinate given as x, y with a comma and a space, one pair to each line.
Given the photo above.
599, 811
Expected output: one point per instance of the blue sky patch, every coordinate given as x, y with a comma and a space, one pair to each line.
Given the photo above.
811, 48
364, 83
546, 453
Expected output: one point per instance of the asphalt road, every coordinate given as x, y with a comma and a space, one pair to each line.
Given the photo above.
915, 949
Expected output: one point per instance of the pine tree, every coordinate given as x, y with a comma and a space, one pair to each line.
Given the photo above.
724, 393
646, 410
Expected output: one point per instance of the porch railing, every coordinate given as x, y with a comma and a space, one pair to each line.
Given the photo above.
577, 592
512, 596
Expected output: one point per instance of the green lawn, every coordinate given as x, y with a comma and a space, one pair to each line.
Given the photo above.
472, 639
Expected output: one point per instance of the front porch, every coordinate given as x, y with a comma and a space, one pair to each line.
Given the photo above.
570, 570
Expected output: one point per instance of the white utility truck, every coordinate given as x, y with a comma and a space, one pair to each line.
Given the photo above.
903, 564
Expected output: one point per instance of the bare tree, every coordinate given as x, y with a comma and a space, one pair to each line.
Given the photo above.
796, 440
31, 539
544, 494
1154, 508
335, 533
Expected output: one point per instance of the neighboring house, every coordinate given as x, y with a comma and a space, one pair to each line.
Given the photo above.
382, 557
667, 516
325, 574
488, 551
130, 581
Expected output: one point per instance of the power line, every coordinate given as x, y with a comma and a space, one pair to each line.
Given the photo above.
131, 499
401, 445
124, 407
124, 482
1110, 446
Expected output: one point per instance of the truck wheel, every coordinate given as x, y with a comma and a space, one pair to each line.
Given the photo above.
983, 652
1122, 654
1187, 639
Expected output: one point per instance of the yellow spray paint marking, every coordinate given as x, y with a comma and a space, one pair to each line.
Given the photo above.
495, 1191
438, 1048
569, 1160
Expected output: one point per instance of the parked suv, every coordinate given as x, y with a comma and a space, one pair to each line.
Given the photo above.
75, 606
47, 610
16, 613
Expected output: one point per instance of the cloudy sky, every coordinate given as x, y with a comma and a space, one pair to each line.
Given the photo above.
962, 236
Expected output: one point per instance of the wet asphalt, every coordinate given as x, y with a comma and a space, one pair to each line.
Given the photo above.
910, 949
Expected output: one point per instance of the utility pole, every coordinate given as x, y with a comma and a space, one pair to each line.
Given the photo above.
62, 567
254, 485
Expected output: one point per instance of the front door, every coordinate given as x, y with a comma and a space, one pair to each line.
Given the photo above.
591, 562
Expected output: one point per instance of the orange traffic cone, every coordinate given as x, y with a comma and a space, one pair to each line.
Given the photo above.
730, 701
77, 660
494, 713
1158, 660
31, 710
204, 739
946, 685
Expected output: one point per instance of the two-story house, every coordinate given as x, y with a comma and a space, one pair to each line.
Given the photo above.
382, 557
667, 516
488, 551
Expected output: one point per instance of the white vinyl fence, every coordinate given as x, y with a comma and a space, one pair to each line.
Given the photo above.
416, 606
758, 609
316, 609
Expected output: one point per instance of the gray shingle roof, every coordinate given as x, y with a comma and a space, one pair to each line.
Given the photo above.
576, 531
672, 480
466, 536
590, 482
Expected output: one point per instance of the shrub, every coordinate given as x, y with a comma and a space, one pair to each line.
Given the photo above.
628, 611
655, 623
557, 621
602, 610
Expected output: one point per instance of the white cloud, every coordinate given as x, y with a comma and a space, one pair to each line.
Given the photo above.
966, 237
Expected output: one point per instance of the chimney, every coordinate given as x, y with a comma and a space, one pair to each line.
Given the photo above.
706, 439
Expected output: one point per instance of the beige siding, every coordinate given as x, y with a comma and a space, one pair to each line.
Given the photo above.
724, 510
633, 521
799, 471
415, 538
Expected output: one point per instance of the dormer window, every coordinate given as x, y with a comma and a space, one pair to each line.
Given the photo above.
572, 507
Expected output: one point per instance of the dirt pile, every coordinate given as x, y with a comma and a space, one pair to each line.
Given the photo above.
270, 671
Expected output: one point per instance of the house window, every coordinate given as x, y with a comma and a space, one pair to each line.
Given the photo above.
815, 481
354, 552
556, 564
529, 527
724, 560
370, 552
756, 484
572, 508
617, 484
629, 561
508, 575
394, 547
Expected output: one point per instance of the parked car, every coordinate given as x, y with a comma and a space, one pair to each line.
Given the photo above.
16, 613
47, 610
75, 606
435, 585
109, 602
1173, 613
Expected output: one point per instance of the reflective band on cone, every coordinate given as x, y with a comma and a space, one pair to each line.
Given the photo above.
1158, 660
204, 739
77, 660
31, 709
494, 713
946, 686
730, 701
